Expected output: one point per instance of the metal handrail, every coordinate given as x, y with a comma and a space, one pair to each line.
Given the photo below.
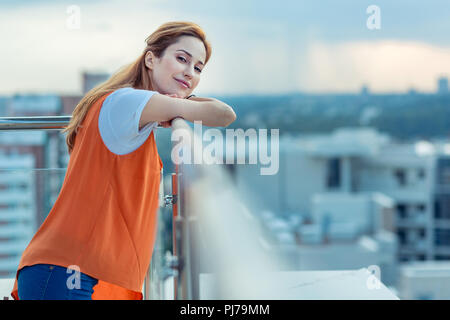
36, 123
33, 123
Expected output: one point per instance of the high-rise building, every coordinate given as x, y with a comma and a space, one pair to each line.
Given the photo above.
442, 85
91, 79
25, 105
340, 168
365, 90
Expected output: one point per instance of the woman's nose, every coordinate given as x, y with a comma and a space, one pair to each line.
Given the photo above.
188, 72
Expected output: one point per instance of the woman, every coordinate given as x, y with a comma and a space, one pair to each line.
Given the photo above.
97, 240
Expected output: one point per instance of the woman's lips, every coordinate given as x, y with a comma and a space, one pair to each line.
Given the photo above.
182, 83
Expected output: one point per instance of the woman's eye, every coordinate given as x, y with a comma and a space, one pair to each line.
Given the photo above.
184, 60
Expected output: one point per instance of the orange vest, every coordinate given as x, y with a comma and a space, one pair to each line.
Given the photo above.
104, 219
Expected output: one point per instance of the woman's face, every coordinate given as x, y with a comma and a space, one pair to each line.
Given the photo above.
179, 68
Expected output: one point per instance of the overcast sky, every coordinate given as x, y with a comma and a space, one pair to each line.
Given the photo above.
259, 46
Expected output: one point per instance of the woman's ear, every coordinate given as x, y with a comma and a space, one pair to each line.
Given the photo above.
149, 60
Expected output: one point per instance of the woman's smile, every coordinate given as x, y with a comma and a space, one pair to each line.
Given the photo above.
182, 83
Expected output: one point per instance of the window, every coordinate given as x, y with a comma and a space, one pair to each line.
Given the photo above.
421, 173
402, 236
442, 237
404, 258
401, 209
445, 176
422, 233
400, 175
334, 173
441, 257
442, 207
437, 208
443, 171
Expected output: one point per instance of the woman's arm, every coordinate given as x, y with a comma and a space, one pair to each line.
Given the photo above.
228, 111
210, 111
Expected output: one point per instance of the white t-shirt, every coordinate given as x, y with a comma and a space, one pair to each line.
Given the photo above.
118, 121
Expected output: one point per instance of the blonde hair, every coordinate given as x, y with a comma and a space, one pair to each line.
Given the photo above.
135, 74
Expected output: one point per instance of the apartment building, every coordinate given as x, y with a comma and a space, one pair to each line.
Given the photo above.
349, 162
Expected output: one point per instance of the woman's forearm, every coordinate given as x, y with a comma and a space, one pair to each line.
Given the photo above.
210, 111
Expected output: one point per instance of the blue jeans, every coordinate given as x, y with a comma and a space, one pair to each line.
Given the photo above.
50, 282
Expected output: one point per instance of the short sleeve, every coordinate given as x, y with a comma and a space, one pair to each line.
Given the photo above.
119, 117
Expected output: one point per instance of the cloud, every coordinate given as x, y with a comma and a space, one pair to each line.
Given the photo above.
39, 52
386, 65
244, 63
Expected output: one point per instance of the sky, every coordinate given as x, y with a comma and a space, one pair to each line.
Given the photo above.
258, 46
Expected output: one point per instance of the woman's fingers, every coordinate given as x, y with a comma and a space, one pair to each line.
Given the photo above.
173, 95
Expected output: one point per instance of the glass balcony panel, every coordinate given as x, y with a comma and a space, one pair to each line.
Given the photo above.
26, 197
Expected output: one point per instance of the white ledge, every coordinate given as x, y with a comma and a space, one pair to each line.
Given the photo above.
297, 285
313, 285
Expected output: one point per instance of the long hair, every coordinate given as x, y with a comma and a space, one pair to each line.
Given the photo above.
134, 75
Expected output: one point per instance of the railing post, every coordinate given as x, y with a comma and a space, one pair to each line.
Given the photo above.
154, 285
175, 209
182, 264
183, 242
185, 222
180, 240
